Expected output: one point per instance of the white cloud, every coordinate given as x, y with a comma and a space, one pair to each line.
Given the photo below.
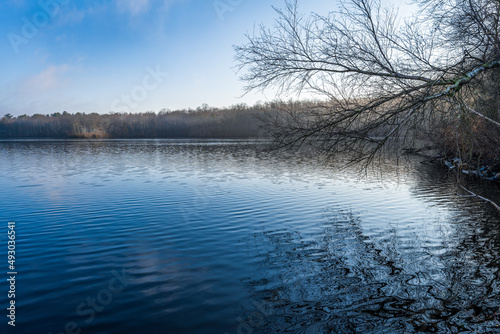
53, 88
168, 3
136, 7
70, 15
74, 16
133, 7
49, 79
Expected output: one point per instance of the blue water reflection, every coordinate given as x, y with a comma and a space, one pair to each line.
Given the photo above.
165, 236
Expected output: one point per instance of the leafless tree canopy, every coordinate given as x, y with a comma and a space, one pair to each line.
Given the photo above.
382, 77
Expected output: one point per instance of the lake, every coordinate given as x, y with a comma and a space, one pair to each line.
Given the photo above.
216, 236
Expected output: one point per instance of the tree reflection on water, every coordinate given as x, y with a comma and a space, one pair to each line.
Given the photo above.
344, 277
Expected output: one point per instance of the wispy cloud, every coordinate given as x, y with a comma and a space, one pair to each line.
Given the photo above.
52, 77
38, 93
72, 15
55, 87
168, 3
137, 7
134, 7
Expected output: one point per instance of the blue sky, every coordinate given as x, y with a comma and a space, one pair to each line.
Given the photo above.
127, 55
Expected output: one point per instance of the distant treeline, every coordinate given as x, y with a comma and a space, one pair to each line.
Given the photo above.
283, 121
238, 121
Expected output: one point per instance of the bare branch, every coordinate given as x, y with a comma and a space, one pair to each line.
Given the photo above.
496, 206
379, 79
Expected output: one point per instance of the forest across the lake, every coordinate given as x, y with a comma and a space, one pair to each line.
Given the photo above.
239, 121
282, 121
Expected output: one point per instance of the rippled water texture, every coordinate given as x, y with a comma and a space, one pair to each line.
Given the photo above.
214, 237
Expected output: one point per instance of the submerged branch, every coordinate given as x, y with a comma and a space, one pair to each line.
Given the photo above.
496, 206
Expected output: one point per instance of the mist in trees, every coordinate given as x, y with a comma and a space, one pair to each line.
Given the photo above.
385, 82
239, 121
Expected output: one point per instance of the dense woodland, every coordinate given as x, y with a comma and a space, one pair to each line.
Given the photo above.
238, 121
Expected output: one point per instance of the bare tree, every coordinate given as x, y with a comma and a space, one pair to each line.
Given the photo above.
379, 77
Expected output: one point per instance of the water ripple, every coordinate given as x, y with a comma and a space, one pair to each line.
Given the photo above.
216, 237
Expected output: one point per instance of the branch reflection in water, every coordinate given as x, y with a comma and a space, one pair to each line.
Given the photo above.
346, 276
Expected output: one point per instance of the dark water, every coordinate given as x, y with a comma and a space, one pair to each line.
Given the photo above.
215, 237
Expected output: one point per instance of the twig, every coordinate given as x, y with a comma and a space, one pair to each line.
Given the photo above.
481, 115
463, 105
481, 197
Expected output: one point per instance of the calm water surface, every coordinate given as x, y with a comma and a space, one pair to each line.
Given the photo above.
158, 236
